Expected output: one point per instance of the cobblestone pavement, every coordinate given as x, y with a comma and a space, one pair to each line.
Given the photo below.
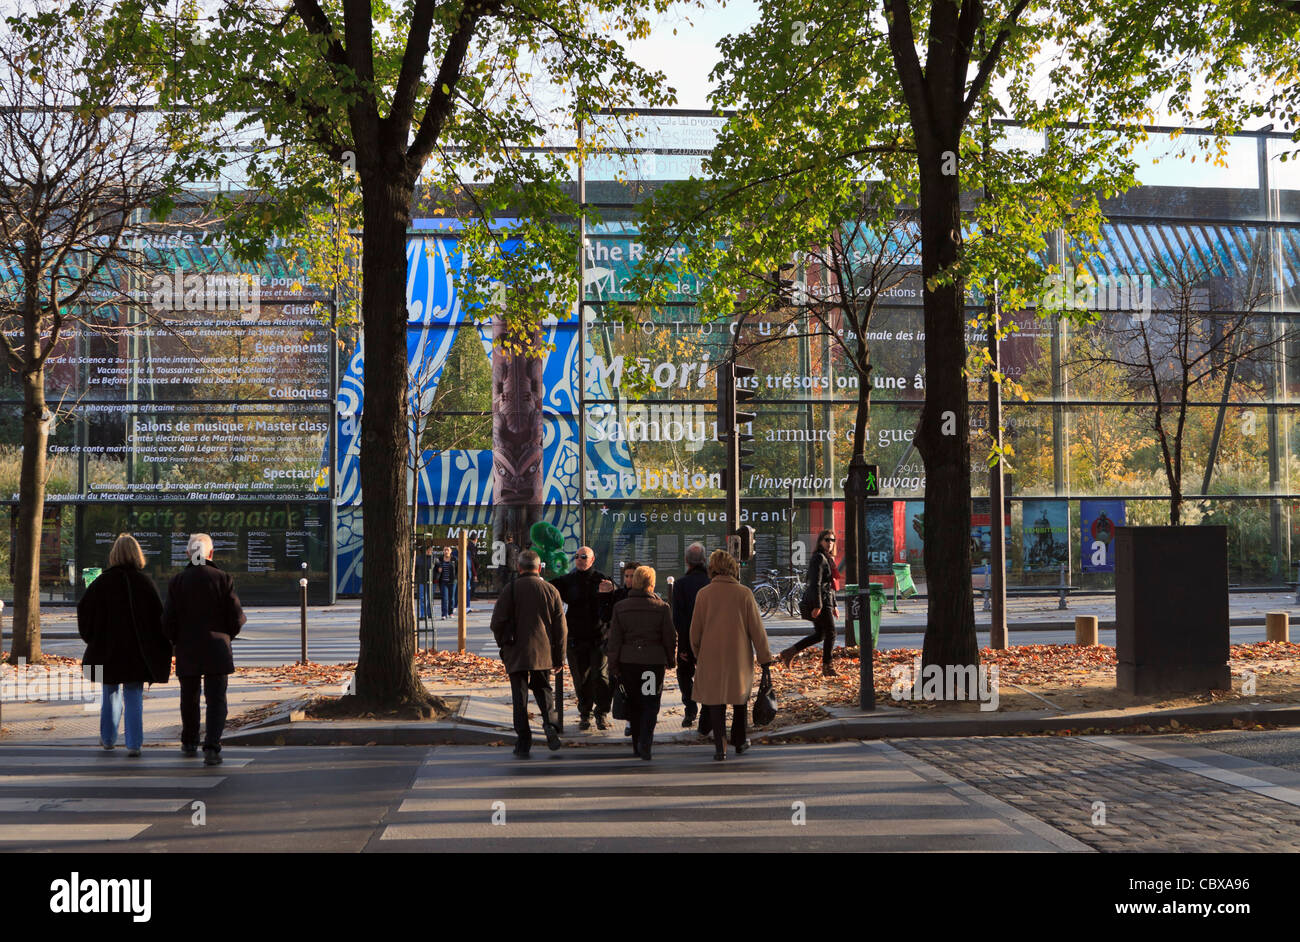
1149, 806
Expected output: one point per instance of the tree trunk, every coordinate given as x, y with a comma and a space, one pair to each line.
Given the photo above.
386, 675
943, 436
31, 518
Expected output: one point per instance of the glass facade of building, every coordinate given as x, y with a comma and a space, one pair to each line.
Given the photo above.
249, 428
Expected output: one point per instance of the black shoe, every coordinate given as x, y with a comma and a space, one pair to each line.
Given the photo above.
189, 752
719, 756
211, 757
602, 722
740, 750
828, 671
552, 738
636, 749
688, 722
646, 749
584, 723
627, 730
520, 753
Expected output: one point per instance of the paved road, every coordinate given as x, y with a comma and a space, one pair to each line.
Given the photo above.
1013, 794
272, 635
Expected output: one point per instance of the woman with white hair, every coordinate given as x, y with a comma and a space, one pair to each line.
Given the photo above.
120, 619
202, 615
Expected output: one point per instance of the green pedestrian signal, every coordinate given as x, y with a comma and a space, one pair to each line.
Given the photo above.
872, 484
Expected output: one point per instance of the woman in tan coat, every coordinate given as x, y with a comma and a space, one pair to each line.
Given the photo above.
726, 633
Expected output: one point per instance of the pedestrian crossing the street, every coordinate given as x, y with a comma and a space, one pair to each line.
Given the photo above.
846, 797
58, 797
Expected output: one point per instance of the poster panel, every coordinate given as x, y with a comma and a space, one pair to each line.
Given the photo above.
1098, 520
1046, 537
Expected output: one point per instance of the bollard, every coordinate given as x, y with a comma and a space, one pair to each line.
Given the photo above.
461, 582
1277, 626
988, 587
1061, 602
1085, 629
302, 597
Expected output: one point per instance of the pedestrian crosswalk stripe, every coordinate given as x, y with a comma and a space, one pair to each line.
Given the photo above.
689, 799
829, 827
636, 774
199, 780
95, 805
45, 833
116, 761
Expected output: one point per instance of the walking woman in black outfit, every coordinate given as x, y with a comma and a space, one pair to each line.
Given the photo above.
819, 597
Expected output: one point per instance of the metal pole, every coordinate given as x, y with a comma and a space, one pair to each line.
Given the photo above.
2, 643
1061, 604
302, 598
460, 591
582, 340
988, 592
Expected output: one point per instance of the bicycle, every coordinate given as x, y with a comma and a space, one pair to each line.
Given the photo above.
778, 591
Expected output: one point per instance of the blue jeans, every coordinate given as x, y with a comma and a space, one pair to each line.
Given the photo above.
110, 714
446, 588
424, 599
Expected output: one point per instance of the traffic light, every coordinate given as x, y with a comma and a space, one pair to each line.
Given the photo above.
746, 536
743, 420
784, 296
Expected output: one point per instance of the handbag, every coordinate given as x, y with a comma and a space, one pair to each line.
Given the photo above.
765, 702
619, 706
809, 602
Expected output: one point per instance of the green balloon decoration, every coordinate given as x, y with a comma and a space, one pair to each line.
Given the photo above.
546, 540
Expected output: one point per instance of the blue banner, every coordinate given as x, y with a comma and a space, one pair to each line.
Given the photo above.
1097, 522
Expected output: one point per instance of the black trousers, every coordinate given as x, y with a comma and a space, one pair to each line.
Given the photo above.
214, 692
823, 631
643, 706
718, 718
686, 681
589, 674
539, 682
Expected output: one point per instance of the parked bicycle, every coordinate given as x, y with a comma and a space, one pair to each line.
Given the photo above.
776, 591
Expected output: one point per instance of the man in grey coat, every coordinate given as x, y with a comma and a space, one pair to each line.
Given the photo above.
528, 624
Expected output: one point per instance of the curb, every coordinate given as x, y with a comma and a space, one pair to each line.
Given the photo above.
462, 733
1191, 718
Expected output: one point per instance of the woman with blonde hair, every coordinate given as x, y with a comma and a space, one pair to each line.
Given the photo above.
726, 633
642, 645
120, 619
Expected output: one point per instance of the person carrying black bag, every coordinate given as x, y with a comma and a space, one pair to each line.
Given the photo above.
642, 645
818, 604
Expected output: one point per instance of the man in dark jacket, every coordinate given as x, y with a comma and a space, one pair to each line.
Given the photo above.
581, 590
684, 592
201, 617
528, 624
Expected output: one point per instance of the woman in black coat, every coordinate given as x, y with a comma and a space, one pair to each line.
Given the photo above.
819, 600
120, 619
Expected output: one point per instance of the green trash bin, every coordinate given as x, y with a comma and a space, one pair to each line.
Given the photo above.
90, 574
877, 603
